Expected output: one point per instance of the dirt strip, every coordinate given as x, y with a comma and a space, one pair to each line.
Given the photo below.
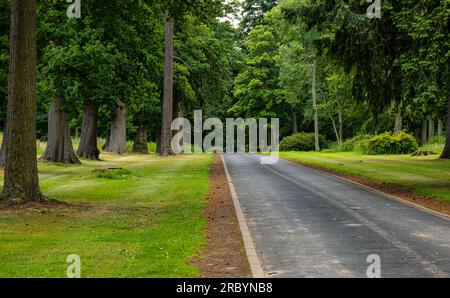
397, 191
224, 255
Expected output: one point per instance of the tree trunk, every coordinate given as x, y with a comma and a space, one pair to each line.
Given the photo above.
446, 152
335, 129
118, 136
88, 140
167, 109
431, 128
106, 145
316, 115
398, 123
341, 127
59, 146
141, 141
424, 132
158, 144
294, 122
21, 182
2, 149
440, 128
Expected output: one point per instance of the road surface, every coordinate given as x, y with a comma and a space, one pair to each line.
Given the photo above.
308, 224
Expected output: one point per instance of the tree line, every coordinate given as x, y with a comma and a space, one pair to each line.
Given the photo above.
122, 71
325, 66
126, 69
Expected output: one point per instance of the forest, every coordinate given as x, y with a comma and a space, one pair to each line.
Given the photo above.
84, 93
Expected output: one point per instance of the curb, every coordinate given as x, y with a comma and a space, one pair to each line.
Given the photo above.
250, 250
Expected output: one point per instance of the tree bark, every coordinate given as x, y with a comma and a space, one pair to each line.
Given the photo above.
316, 115
59, 146
2, 149
141, 141
88, 147
398, 123
158, 144
446, 152
341, 126
424, 132
440, 128
431, 128
167, 109
118, 137
21, 182
294, 122
338, 139
108, 136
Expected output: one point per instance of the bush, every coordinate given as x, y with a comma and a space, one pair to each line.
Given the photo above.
437, 140
386, 143
353, 144
301, 142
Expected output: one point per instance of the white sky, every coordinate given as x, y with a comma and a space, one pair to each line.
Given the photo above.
231, 18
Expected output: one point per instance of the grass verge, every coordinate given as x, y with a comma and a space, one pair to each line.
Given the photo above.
424, 176
129, 216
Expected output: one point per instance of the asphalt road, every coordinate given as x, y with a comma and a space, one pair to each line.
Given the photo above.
308, 224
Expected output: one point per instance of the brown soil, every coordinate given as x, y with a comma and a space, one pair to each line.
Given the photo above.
397, 191
224, 255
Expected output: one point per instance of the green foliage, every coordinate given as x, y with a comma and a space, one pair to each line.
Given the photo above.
436, 145
353, 144
437, 140
253, 12
301, 142
386, 143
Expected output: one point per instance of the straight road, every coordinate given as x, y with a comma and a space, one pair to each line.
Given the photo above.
308, 224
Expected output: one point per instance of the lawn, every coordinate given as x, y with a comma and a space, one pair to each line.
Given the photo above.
142, 219
426, 176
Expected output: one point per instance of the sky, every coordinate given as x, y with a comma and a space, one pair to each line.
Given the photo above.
231, 18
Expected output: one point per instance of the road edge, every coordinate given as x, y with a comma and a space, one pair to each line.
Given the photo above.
373, 190
250, 248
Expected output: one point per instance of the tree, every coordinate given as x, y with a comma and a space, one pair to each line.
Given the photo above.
256, 87
167, 106
173, 11
21, 182
88, 147
253, 12
118, 133
59, 146
4, 60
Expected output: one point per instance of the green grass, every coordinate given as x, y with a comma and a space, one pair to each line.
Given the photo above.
143, 219
426, 176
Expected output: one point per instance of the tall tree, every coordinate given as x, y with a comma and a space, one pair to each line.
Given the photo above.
253, 12
5, 24
174, 10
21, 182
315, 109
167, 106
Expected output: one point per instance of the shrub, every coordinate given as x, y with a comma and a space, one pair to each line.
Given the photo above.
301, 142
437, 140
353, 144
386, 143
